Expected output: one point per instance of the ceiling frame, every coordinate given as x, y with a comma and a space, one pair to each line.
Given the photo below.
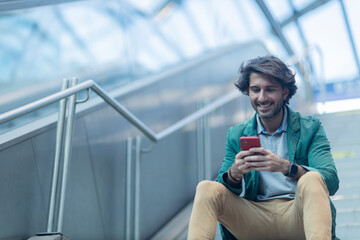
9, 5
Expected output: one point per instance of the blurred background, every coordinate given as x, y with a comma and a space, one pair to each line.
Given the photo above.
117, 42
163, 60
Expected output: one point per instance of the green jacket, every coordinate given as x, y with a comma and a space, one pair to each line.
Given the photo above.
307, 146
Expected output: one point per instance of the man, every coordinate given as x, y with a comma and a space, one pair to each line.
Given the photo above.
284, 184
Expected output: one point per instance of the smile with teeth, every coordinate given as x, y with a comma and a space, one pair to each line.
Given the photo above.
264, 105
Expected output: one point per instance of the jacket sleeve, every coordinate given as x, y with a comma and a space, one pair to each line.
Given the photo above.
230, 153
320, 160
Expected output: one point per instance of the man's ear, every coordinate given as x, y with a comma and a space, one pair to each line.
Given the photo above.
285, 93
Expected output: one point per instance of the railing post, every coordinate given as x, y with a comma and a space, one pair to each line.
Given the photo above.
59, 139
67, 153
199, 145
137, 188
129, 149
206, 146
203, 145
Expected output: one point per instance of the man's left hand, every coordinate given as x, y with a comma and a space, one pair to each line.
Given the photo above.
265, 160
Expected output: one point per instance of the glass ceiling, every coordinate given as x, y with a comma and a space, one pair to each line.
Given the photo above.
42, 42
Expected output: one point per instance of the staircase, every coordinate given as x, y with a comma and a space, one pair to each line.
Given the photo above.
344, 134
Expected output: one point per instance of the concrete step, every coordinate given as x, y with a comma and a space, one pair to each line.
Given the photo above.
353, 173
346, 175
176, 228
346, 216
346, 201
348, 231
349, 188
349, 178
349, 165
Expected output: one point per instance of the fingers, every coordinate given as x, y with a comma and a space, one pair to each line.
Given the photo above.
243, 154
242, 161
258, 159
259, 165
259, 151
240, 167
269, 162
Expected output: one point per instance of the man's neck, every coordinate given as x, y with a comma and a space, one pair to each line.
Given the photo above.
274, 123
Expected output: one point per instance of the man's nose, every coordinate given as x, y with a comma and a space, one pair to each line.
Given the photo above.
262, 96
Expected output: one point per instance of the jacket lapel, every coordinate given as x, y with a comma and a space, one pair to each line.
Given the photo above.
293, 133
251, 127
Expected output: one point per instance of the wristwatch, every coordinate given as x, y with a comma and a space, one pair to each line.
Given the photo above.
293, 170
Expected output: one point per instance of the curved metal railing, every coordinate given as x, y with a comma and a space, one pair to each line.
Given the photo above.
70, 92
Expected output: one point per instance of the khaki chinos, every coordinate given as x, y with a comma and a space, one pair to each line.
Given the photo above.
308, 216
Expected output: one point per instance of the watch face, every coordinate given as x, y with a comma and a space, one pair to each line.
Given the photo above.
293, 169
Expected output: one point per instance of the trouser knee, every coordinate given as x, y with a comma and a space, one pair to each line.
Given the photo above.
209, 190
311, 182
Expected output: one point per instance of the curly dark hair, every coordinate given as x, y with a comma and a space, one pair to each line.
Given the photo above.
270, 66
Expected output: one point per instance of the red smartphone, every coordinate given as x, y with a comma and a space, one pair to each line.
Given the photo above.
249, 142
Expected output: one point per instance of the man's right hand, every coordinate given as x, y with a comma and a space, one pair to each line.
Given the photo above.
239, 167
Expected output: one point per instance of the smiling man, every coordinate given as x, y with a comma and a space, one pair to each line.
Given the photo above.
281, 189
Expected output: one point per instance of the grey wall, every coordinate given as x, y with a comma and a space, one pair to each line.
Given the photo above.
95, 197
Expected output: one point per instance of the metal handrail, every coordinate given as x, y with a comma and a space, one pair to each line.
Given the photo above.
90, 84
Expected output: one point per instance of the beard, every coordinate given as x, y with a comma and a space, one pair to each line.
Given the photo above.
273, 111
